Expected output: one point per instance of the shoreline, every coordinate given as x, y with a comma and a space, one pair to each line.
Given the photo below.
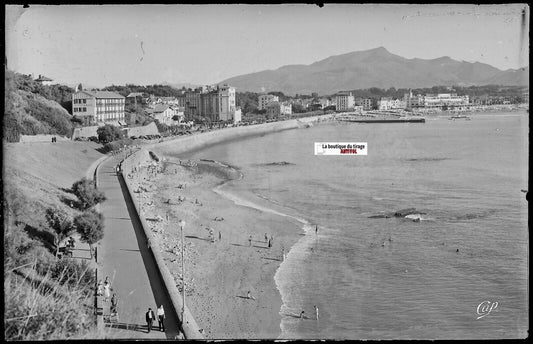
219, 274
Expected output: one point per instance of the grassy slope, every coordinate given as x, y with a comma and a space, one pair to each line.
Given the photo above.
41, 170
35, 175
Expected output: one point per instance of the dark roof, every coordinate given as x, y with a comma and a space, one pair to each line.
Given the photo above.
104, 94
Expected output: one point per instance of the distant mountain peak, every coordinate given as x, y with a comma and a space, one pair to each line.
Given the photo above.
375, 67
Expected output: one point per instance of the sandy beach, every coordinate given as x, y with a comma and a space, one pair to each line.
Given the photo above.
219, 273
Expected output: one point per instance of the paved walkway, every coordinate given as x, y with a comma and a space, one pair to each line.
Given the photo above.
124, 256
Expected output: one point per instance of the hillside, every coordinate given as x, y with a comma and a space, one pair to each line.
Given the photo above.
31, 108
375, 68
36, 177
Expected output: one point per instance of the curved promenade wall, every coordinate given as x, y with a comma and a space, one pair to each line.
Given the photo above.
190, 329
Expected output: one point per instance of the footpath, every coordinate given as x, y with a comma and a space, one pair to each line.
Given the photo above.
123, 255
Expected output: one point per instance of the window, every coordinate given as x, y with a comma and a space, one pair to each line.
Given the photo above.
84, 109
84, 101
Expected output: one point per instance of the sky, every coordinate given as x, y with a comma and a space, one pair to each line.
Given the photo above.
101, 45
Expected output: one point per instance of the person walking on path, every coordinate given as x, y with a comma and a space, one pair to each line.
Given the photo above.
316, 311
316, 230
250, 241
269, 244
161, 318
266, 238
100, 289
271, 240
150, 316
114, 304
219, 236
107, 290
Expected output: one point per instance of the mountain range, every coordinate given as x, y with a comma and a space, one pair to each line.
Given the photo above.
376, 68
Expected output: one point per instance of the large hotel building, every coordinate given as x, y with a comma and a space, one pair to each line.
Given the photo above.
216, 103
99, 107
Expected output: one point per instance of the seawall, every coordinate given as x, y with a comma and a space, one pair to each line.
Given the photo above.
190, 328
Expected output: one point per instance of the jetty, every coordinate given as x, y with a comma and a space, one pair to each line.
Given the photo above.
383, 120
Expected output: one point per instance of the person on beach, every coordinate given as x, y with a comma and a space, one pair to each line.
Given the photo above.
161, 318
266, 238
271, 240
250, 241
283, 253
219, 236
150, 316
316, 230
316, 311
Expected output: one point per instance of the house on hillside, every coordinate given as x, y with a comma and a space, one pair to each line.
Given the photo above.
163, 113
135, 98
99, 107
44, 80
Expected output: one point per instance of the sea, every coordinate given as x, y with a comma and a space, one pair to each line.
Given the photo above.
461, 272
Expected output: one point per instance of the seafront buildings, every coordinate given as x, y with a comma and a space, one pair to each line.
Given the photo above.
98, 107
211, 103
277, 109
345, 101
265, 99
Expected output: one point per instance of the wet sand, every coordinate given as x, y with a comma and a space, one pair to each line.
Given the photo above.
219, 274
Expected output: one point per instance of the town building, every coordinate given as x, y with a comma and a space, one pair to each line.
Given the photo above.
163, 113
134, 99
445, 101
277, 109
387, 103
44, 80
368, 104
344, 101
265, 99
413, 101
99, 107
212, 103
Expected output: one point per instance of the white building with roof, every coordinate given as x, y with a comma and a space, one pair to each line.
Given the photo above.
99, 107
44, 80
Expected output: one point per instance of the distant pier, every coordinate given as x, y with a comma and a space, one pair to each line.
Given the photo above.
395, 120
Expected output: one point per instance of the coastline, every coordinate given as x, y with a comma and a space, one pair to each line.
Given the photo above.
219, 274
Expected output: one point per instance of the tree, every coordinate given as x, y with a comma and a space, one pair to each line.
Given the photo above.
60, 222
90, 226
87, 193
109, 133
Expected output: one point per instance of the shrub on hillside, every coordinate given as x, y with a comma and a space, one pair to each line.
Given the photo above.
58, 120
117, 145
90, 225
87, 193
60, 223
109, 133
73, 272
